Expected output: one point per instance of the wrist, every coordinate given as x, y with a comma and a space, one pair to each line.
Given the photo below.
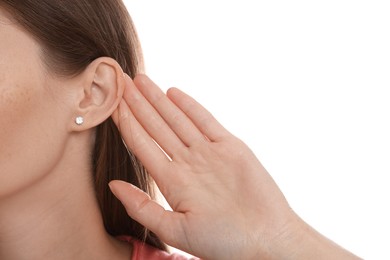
287, 241
298, 240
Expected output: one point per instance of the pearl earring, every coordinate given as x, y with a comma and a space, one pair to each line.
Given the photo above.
79, 120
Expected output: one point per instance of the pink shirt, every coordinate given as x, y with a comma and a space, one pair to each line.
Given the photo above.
143, 251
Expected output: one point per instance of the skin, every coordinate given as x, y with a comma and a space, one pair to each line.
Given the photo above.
225, 204
45, 174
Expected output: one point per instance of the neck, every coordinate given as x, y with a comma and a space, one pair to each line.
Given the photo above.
57, 217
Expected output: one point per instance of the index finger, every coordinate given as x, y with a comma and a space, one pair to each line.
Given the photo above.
200, 116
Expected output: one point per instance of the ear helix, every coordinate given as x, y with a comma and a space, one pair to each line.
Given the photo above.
79, 120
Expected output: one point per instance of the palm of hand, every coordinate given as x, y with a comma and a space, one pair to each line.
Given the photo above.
225, 205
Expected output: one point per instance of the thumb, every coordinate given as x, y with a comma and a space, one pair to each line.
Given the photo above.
140, 207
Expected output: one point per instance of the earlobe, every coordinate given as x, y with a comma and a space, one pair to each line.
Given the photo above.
101, 89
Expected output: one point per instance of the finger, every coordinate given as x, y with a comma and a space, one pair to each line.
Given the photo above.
151, 121
202, 118
141, 144
139, 206
177, 120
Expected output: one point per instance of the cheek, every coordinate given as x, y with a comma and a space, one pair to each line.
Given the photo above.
14, 102
15, 105
31, 135
31, 139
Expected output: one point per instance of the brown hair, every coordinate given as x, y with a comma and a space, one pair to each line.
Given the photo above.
72, 34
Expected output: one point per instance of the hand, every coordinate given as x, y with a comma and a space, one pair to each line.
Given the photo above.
225, 204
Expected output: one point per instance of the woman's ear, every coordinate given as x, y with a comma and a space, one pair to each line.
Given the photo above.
99, 92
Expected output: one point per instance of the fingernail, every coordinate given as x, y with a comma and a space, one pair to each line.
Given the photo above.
127, 78
111, 187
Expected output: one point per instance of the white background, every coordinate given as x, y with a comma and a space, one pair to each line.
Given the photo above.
305, 84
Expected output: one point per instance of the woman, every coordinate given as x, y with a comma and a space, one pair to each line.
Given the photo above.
54, 195
61, 78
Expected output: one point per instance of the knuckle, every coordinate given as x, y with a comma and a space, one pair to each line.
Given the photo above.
156, 98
